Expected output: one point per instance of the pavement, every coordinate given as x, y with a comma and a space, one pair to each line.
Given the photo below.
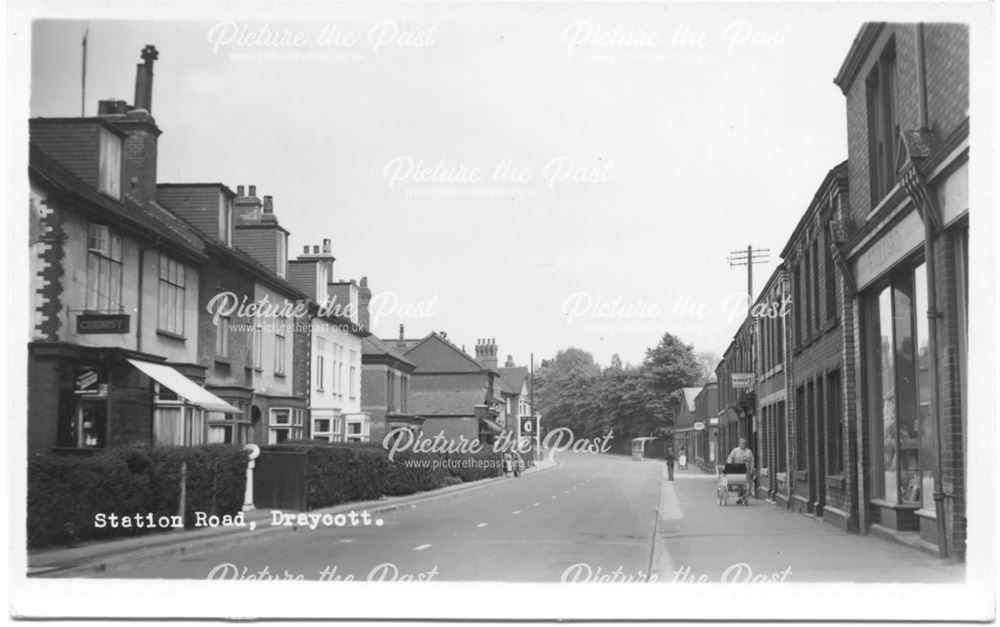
697, 538
94, 558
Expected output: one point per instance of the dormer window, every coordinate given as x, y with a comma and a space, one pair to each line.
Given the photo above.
109, 164
225, 220
281, 252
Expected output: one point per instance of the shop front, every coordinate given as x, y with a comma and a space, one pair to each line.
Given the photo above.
913, 342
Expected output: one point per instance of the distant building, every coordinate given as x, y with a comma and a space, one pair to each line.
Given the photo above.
385, 388
449, 389
331, 340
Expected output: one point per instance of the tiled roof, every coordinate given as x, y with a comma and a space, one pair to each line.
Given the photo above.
512, 379
371, 345
445, 402
152, 221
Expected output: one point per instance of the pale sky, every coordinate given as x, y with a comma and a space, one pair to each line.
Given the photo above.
697, 130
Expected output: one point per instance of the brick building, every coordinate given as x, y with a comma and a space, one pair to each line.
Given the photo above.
818, 421
329, 348
904, 243
770, 313
115, 281
873, 414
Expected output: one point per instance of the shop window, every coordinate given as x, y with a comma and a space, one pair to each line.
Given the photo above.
89, 425
104, 269
170, 314
178, 425
801, 441
898, 390
285, 424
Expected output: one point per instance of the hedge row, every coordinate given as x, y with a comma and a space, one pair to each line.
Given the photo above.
66, 493
340, 473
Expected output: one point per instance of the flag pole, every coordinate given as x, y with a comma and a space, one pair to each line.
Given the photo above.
83, 75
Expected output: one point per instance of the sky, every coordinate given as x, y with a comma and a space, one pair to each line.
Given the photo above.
544, 175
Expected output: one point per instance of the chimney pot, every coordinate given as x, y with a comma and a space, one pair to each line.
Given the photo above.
326, 246
239, 190
315, 250
401, 331
268, 203
253, 190
305, 250
364, 281
144, 79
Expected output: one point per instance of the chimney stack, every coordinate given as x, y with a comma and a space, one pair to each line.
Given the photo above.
144, 79
239, 190
486, 352
364, 295
253, 191
510, 362
268, 203
327, 247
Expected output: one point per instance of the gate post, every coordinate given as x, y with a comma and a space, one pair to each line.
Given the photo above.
253, 452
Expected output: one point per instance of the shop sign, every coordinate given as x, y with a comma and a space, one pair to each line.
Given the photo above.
699, 426
102, 323
742, 379
891, 248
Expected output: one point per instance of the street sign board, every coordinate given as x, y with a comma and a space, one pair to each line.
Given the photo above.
742, 379
699, 426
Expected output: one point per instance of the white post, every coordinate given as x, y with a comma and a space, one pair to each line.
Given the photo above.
254, 452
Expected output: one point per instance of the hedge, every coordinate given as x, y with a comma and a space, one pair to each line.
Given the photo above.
65, 493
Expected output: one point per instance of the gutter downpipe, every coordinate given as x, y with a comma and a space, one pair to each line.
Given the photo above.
926, 202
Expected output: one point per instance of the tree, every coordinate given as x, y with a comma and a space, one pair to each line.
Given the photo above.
708, 361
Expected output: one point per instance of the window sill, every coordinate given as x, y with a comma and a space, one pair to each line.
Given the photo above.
225, 361
280, 375
781, 476
800, 475
171, 335
913, 507
836, 481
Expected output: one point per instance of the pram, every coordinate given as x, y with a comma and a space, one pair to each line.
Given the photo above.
733, 478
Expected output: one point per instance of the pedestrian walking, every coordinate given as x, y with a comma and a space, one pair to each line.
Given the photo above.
682, 459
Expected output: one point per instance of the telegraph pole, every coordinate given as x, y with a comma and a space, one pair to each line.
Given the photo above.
748, 258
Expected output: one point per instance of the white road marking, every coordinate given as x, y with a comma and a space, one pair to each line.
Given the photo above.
554, 496
537, 504
421, 547
482, 525
516, 512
